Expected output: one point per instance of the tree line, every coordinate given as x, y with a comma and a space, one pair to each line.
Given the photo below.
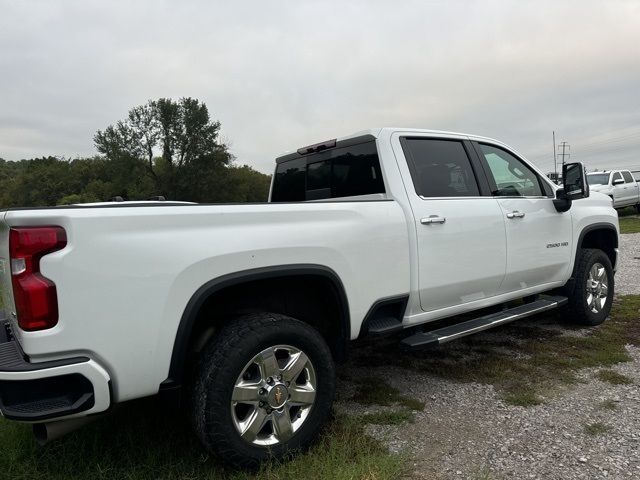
163, 148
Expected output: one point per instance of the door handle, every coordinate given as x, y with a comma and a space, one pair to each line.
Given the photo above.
432, 219
515, 214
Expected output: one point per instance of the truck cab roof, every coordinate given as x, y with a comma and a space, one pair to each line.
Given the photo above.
374, 133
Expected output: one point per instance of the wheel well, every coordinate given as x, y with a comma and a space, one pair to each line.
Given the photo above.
314, 296
603, 238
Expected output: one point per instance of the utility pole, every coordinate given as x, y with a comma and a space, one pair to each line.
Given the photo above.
555, 165
566, 149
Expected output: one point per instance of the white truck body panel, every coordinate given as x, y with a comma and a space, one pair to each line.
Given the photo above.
123, 305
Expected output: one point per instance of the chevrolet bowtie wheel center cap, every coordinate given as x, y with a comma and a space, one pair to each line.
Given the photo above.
277, 395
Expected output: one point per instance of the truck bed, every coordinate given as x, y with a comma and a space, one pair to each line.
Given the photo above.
129, 269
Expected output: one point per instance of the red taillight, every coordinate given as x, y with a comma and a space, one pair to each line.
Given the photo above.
35, 296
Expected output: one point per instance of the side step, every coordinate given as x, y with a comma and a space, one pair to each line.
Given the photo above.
452, 332
384, 325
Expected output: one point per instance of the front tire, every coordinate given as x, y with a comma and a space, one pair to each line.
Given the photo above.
264, 387
592, 288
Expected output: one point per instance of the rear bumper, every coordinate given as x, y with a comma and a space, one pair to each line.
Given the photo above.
33, 392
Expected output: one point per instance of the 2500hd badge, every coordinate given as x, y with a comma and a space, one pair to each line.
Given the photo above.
555, 245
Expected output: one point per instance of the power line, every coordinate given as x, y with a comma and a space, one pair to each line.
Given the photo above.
603, 148
628, 134
555, 165
620, 133
611, 140
615, 148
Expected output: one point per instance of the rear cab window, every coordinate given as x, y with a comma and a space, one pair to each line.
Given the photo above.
350, 170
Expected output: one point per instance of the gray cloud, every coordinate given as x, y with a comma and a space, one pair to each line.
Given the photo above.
279, 75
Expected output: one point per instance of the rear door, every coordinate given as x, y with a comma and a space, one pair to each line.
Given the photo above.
538, 236
631, 188
459, 226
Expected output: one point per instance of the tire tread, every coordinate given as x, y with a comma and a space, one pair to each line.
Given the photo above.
576, 308
211, 366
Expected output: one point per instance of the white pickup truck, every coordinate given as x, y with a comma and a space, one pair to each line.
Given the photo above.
242, 310
620, 185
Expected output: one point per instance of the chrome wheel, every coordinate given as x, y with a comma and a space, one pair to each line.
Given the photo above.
597, 288
273, 395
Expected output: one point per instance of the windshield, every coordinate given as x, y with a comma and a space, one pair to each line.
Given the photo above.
598, 178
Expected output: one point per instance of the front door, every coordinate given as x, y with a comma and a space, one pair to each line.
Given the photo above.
619, 191
460, 230
539, 238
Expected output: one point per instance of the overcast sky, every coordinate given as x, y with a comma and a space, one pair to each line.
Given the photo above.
279, 75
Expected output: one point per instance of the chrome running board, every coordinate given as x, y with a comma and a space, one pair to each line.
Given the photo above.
452, 332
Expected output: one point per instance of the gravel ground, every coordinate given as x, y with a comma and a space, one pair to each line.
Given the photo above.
467, 432
628, 274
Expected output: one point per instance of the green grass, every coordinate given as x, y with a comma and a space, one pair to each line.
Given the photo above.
142, 442
395, 417
608, 405
627, 212
629, 224
629, 220
482, 474
525, 362
597, 428
614, 377
523, 397
374, 391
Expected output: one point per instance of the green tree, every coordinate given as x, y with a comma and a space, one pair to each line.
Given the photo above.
164, 148
181, 132
41, 181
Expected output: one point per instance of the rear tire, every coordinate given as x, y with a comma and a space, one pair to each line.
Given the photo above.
263, 388
591, 290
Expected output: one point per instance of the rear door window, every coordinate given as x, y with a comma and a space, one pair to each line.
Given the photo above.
627, 177
440, 168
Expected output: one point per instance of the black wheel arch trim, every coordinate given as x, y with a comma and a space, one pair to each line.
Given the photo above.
597, 226
591, 228
197, 300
